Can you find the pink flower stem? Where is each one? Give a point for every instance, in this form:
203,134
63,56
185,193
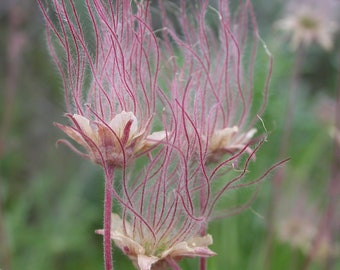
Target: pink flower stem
203,232
203,260
203,263
109,173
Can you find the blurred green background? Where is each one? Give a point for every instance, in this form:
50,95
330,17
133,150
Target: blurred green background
51,200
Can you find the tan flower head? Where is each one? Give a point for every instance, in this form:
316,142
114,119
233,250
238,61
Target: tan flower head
146,256
335,134
228,140
309,22
301,233
298,224
297,231
114,143
108,59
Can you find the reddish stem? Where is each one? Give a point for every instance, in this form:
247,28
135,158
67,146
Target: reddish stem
109,173
203,260
203,263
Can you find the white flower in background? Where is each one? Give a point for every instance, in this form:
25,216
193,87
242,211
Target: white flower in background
298,225
310,21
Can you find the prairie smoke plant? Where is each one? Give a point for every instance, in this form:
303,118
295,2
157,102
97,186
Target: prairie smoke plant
110,74
210,66
167,206
109,65
310,21
161,218
209,125
107,56
210,89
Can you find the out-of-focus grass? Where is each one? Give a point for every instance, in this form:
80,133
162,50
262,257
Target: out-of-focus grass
51,200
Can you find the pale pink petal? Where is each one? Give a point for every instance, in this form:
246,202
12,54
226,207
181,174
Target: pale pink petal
155,137
119,122
195,247
72,133
118,225
226,134
250,134
220,139
85,126
145,262
126,244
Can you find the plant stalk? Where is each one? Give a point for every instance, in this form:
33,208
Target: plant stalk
109,174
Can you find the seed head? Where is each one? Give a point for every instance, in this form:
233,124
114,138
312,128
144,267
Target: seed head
146,256
114,143
107,55
211,78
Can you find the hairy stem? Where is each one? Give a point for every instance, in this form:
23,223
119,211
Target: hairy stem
109,174
203,263
203,260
